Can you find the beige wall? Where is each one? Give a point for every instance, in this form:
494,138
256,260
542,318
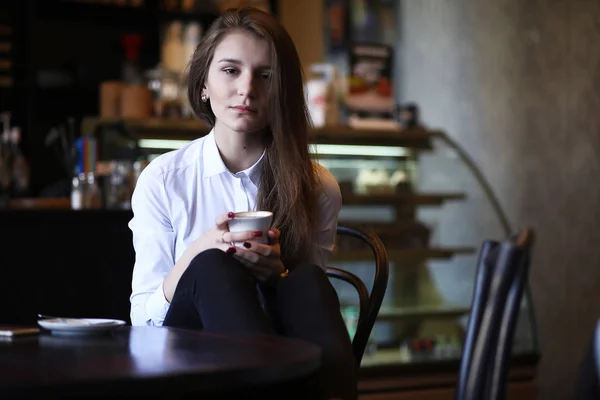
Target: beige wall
517,84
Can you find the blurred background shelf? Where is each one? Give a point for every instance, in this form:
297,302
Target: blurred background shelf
425,199
404,256
165,129
149,128
416,138
148,11
442,311
395,357
440,361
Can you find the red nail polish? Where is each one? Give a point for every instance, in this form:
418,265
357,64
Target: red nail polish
230,250
230,215
257,234
247,245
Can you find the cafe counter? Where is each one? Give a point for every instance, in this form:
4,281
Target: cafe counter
65,262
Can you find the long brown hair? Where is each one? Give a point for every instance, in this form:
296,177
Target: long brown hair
288,180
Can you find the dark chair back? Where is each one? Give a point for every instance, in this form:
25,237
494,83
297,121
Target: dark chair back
502,351
483,278
501,277
587,386
597,352
370,303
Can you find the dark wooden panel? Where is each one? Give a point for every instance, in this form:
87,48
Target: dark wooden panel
64,262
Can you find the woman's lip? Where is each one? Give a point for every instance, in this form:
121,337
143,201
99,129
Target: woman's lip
242,108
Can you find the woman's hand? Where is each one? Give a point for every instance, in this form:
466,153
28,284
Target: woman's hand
263,260
218,237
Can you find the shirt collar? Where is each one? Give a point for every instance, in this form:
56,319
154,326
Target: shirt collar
212,163
255,171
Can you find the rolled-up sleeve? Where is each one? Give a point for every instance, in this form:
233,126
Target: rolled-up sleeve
153,242
330,204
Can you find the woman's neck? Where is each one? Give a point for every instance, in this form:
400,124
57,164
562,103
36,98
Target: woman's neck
239,150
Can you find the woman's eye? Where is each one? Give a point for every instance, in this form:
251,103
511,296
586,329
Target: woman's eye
230,71
266,76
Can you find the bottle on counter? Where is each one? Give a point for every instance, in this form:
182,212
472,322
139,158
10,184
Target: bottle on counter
77,189
172,49
5,177
321,95
131,72
135,96
5,156
92,196
172,65
20,166
192,34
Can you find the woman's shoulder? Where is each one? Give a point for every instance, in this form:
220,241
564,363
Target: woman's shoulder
327,185
170,170
177,159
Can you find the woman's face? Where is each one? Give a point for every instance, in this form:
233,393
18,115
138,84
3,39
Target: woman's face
238,81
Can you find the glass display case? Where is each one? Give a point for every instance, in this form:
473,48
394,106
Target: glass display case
431,207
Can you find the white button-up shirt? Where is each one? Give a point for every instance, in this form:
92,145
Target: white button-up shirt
177,199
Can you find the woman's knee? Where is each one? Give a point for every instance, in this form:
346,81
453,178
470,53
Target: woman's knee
307,273
307,281
209,262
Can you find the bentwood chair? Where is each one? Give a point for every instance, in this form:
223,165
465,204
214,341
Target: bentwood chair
501,277
587,386
370,302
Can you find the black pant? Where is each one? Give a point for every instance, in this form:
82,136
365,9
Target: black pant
217,293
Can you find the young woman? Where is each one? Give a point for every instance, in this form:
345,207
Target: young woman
245,81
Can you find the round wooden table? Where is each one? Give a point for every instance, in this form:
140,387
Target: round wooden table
158,362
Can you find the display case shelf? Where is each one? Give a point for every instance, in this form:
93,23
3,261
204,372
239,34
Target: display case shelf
425,199
404,256
165,129
437,361
444,311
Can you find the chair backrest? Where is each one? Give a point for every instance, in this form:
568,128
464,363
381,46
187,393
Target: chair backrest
483,278
370,302
501,352
597,351
587,384
501,277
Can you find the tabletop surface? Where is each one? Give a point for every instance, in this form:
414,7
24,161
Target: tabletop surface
148,356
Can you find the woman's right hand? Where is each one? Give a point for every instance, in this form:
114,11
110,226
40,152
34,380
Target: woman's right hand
217,237
213,238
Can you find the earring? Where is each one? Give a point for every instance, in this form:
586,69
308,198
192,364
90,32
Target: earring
204,98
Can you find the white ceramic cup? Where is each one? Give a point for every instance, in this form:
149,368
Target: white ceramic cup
252,221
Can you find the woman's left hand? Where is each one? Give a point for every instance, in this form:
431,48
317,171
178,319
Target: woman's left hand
263,260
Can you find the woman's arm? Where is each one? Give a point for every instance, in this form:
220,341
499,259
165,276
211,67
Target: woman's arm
154,245
218,237
155,273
